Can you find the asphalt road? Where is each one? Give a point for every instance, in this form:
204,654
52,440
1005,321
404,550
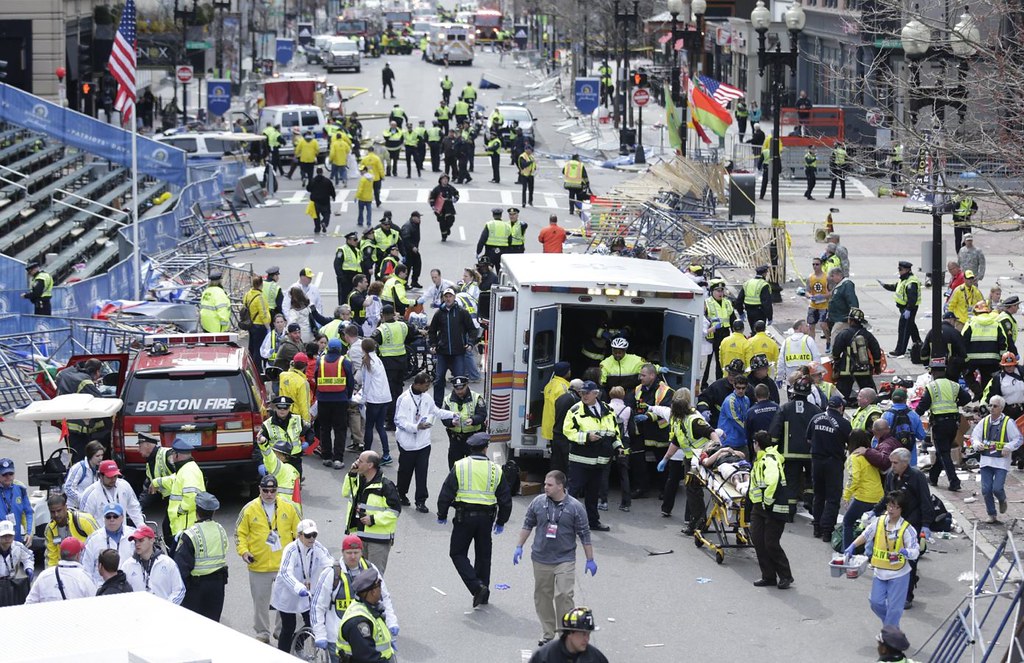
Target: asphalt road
652,609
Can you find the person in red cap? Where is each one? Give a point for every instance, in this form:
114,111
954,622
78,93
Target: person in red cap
111,487
73,583
332,594
149,570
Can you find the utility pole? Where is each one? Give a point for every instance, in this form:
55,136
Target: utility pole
187,17
220,6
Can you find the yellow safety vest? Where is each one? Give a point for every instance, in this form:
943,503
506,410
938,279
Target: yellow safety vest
515,237
290,434
901,291
210,542
985,430
478,479
342,604
798,356
682,434
465,411
357,313
214,310
381,634
752,291
984,343
880,549
943,393
573,173
531,165
840,156
498,233
270,290
273,137
469,93
862,415
161,466
718,312
47,284
349,258
392,336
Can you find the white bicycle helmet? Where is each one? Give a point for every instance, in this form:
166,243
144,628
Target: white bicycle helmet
620,343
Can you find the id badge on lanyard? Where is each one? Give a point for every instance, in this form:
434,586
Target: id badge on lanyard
552,531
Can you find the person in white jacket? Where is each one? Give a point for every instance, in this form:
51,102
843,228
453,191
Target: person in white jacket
355,406
272,341
149,570
433,293
996,437
414,415
797,350
16,559
67,580
302,562
332,595
83,474
376,398
114,534
111,488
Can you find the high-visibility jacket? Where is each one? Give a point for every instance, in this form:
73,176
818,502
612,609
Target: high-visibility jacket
493,146
461,108
1009,324
478,479
384,239
381,635
719,314
628,366
734,346
270,292
831,262
901,291
273,136
161,466
257,306
182,486
394,291
797,352
384,518
290,432
580,423
572,173
527,165
433,135
515,234
392,336
863,417
340,149
655,432
882,547
253,528
810,160
285,473
349,258
498,233
752,291
681,433
214,310
962,301
332,329
210,543
357,313
293,384
330,376
80,525
984,343
47,284
766,476
943,392
468,93
763,344
393,140
839,156
496,117
466,410
411,137
556,387
964,208
447,83
996,436
307,150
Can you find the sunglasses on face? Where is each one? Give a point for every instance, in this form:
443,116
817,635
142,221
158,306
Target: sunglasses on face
268,491
111,516
310,536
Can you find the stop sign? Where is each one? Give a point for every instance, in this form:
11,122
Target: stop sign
641,97
184,73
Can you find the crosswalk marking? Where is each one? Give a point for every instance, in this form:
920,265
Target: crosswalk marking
796,188
506,197
420,196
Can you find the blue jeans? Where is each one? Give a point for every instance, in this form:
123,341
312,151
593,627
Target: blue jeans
887,598
375,419
992,480
469,364
339,174
443,364
853,514
365,206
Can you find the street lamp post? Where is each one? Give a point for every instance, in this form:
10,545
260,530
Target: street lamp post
918,45
220,5
761,18
624,19
692,40
187,17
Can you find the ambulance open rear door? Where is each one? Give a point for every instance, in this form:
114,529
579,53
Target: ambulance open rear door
502,348
542,346
680,347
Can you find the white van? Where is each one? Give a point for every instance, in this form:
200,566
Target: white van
451,43
295,119
342,53
547,306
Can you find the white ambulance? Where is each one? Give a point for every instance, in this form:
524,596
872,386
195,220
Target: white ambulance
450,43
547,308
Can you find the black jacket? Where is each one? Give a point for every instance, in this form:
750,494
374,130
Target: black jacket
451,196
711,399
115,584
773,389
828,434
562,405
952,343
450,487
358,633
789,428
451,330
844,354
387,74
914,484
554,652
387,490
321,189
409,236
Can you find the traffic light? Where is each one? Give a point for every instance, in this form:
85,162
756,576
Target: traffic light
87,89
640,79
3,69
84,62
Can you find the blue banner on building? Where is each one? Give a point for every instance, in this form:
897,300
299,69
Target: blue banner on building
218,96
588,95
285,51
90,135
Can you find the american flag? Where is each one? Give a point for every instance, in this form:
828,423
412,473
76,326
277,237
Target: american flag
723,93
122,64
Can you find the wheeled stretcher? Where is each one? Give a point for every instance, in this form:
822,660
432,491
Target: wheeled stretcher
725,516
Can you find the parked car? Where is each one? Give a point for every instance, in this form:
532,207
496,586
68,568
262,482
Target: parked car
342,53
517,114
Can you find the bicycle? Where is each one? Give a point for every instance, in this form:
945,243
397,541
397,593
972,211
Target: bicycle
304,647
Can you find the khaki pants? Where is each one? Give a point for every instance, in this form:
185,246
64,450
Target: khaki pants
355,424
377,552
260,585
836,328
553,594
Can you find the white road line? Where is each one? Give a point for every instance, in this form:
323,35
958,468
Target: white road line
384,193
868,193
337,230
422,196
506,197
464,196
550,201
462,234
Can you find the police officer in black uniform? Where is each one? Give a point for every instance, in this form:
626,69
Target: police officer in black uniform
42,288
201,556
829,433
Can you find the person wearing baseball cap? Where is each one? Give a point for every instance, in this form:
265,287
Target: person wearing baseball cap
149,570
573,642
17,562
285,425
363,634
74,582
964,298
14,503
181,487
312,292
481,499
201,556
113,534
332,594
594,436
856,355
265,526
111,487
302,562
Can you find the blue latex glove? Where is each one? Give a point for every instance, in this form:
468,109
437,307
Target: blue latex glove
927,532
663,370
850,549
591,567
640,418
442,521
30,573
607,336
262,469
321,644
305,445
421,300
906,315
518,555
903,551
394,631
662,464
303,593
498,529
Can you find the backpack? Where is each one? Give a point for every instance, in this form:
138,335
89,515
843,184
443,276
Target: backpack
902,429
510,473
245,316
942,521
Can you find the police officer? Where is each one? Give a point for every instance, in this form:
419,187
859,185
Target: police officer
347,265
837,170
472,411
769,511
272,293
412,138
434,136
950,345
335,383
273,134
828,433
964,208
756,298
810,170
527,166
607,83
908,299
446,91
181,489
493,149
517,232
494,238
393,141
986,342
475,487
159,464
943,399
867,412
41,290
215,306
720,315
593,433
575,180
896,166
283,425
364,636
201,556
81,379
